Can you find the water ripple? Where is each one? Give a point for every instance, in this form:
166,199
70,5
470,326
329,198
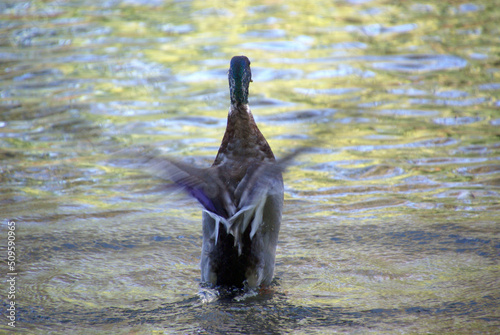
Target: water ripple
371,172
265,33
448,160
420,63
397,198
408,112
479,170
308,115
277,46
332,91
213,74
448,121
378,29
342,70
489,86
417,144
448,102
268,74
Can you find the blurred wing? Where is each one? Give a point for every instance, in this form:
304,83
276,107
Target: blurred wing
202,184
264,178
207,186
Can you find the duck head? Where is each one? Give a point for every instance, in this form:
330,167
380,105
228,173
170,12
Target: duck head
239,77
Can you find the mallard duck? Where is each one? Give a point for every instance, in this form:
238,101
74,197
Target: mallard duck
241,195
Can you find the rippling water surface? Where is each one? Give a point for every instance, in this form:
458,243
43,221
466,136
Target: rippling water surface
391,221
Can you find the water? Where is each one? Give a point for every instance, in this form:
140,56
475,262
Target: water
390,221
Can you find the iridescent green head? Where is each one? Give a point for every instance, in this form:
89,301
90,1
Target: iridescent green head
240,77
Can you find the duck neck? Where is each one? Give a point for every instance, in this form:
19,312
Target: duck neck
242,139
241,130
240,113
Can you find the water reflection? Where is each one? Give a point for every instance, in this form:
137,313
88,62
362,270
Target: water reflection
420,63
391,220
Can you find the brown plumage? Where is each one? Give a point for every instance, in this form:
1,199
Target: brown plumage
242,195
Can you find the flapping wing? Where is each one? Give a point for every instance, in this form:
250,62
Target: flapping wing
262,180
204,185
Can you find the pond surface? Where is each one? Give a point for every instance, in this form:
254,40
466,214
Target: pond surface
391,220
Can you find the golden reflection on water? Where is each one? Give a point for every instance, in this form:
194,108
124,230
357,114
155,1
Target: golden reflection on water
390,220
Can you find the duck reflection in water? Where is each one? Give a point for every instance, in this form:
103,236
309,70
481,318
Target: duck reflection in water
241,195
